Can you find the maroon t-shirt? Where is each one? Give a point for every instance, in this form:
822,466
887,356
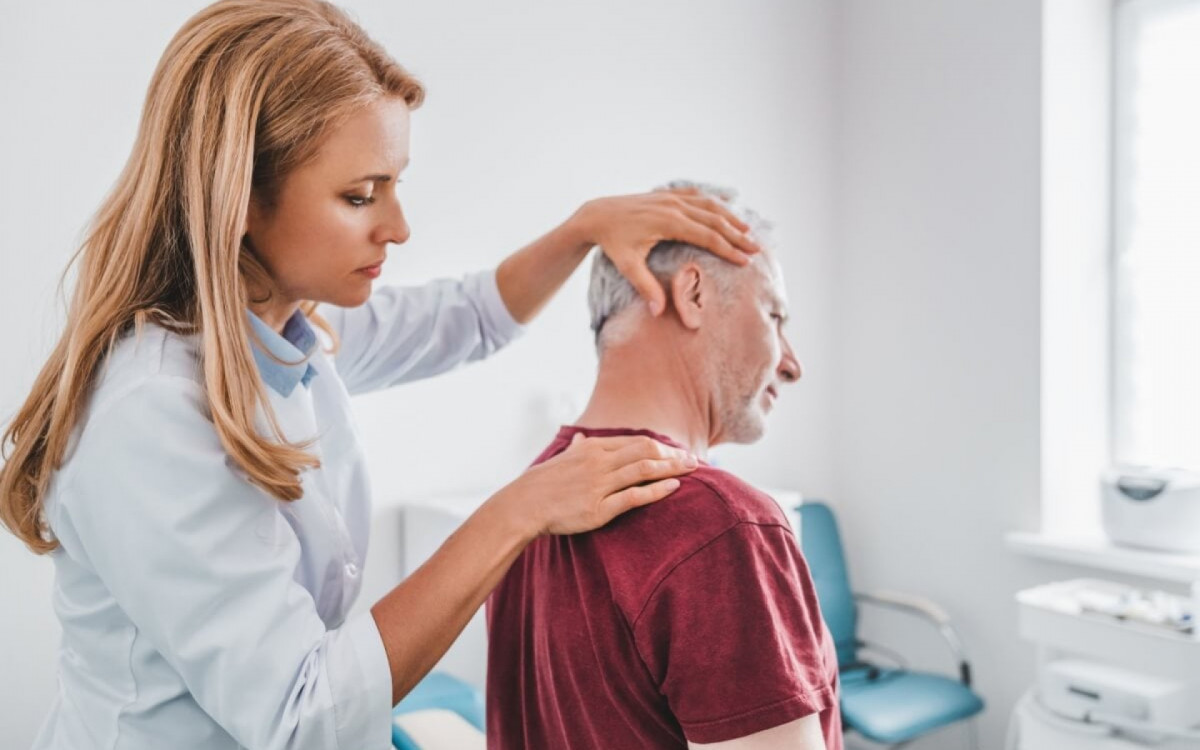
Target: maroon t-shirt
691,619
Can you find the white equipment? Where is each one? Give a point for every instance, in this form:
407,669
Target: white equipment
1089,691
1112,674
1152,508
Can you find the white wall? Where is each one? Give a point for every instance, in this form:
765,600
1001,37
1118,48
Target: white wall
533,108
937,321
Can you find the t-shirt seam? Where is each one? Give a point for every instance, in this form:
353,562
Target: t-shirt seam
693,553
729,505
808,698
681,561
717,491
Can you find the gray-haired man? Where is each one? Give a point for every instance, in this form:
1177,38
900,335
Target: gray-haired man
692,621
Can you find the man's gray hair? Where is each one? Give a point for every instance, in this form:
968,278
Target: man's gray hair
610,293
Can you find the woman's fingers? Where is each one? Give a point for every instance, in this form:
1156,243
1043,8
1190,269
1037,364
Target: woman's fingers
715,206
633,459
651,469
628,227
694,232
647,286
639,448
634,497
716,215
739,254
597,478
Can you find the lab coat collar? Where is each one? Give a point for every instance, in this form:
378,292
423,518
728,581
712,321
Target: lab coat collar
293,347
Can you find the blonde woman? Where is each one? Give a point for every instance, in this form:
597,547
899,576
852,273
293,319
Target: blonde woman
187,455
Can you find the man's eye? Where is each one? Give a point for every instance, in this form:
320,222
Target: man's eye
358,201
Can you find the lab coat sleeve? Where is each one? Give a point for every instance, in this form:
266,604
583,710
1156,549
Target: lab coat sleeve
408,333
202,563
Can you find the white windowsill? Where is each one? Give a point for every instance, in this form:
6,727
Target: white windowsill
1101,554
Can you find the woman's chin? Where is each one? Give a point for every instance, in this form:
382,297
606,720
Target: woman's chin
350,296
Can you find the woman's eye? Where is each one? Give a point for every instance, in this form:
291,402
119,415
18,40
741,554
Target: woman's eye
358,201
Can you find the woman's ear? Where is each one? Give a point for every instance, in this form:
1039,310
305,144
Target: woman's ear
689,296
253,215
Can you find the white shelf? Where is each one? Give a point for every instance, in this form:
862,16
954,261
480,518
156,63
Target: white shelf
1104,555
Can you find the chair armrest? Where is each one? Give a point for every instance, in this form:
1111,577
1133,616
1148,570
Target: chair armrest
906,602
924,608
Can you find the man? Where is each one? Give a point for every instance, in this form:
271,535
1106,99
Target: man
692,622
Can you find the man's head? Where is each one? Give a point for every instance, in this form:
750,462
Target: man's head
725,321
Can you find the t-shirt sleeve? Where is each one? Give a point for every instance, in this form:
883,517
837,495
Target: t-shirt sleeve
733,636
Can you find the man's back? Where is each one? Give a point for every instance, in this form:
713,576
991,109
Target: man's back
692,619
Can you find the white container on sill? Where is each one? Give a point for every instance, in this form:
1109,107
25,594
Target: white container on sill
1152,508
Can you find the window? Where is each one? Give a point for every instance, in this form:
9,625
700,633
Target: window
1156,233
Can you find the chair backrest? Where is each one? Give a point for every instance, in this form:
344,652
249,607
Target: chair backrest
822,547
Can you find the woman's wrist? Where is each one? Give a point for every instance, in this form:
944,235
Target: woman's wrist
511,516
578,231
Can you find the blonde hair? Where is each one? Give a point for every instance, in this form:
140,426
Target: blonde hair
243,95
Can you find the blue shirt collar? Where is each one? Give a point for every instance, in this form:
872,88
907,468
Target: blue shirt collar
294,346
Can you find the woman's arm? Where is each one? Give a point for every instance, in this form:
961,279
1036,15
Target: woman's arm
406,333
626,227
582,488
421,618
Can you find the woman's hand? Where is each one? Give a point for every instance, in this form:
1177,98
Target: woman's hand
593,481
627,227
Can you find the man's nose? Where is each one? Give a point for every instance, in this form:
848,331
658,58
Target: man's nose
790,369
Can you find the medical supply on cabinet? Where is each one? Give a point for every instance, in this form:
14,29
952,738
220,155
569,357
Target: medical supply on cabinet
1145,707
1118,668
1156,608
1156,611
1152,508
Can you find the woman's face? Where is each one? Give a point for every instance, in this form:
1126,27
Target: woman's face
327,234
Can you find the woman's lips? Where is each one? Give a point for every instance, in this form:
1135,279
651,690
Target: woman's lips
371,271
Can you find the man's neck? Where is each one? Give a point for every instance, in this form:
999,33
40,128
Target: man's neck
642,385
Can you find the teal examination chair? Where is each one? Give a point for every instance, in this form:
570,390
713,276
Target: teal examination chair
888,705
438,691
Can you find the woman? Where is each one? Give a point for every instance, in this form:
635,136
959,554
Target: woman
187,455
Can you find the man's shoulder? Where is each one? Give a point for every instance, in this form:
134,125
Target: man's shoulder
709,500
745,502
708,503
643,546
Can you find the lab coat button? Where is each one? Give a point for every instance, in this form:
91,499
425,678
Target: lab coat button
351,569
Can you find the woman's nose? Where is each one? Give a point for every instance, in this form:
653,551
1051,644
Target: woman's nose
394,229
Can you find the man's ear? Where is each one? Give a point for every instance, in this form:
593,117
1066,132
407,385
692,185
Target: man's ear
689,296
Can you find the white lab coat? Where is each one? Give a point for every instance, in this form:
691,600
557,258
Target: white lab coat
198,611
